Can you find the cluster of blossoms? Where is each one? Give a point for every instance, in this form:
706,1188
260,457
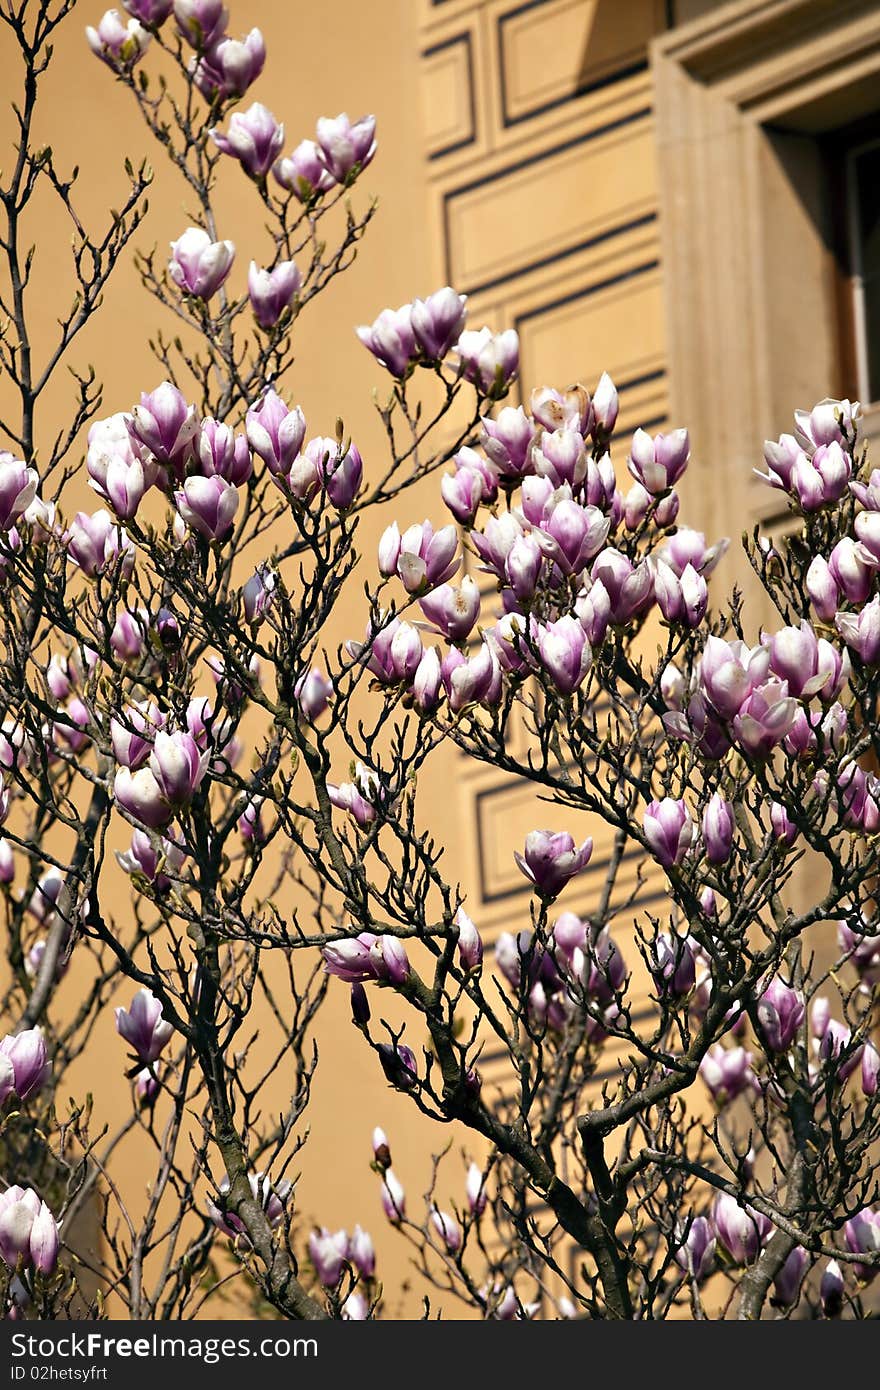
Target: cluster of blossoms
29,1237
223,69
578,967
736,1232
200,465
577,964
332,1252
427,331
565,559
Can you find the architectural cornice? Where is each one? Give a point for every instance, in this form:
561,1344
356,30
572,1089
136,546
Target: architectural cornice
722,46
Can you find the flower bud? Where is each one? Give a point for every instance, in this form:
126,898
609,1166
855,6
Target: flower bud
399,1065
146,1086
447,1229
393,1198
831,1290
696,1254
360,1005
741,1230
470,945
606,405
381,1150
273,291
787,1283
718,829
313,693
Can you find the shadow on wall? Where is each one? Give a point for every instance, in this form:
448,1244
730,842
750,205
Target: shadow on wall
602,21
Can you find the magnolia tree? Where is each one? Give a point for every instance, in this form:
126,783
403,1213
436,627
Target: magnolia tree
166,676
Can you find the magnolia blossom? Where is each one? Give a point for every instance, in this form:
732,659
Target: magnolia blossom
304,173
96,542
208,506
200,22
117,42
862,1236
360,797
391,340
669,830
253,137
313,693
453,611
367,957
780,1012
421,557
272,291
740,1229
727,1072
164,424
271,1196
151,12
328,1252
199,265
393,1197
696,1253
490,360
346,147
228,67
437,321
28,1059
550,858
275,433
658,463
143,1027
